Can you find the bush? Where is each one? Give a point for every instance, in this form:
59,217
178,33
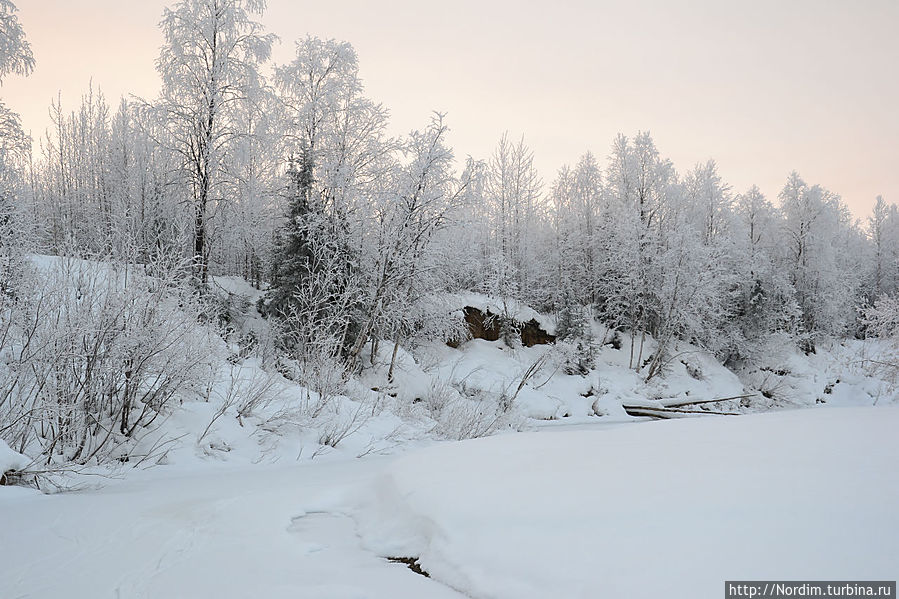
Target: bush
94,357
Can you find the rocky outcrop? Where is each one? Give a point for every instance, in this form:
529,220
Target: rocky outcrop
532,334
488,326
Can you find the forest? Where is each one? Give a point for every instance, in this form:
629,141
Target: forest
119,223
254,343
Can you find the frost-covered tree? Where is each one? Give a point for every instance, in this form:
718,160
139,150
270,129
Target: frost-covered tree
101,185
15,51
75,186
341,166
574,334
883,233
689,287
663,255
822,252
209,66
638,182
152,216
315,282
575,203
573,320
15,149
241,239
98,354
404,272
709,202
465,243
764,299
336,134
512,190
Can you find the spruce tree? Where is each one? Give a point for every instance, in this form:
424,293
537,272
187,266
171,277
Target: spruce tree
573,330
572,322
313,273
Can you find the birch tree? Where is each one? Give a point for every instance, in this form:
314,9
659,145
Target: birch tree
575,203
209,66
710,202
883,235
336,135
404,273
15,50
822,250
512,189
765,304
15,149
638,182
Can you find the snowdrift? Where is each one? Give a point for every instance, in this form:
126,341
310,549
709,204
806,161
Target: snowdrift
657,509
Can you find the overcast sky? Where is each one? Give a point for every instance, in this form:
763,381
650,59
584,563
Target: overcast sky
762,86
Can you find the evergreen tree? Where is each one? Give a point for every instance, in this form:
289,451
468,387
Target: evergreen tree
572,322
314,274
574,333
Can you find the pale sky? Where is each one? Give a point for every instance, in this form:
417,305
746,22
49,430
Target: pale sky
762,86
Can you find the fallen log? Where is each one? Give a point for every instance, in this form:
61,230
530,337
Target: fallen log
661,412
680,404
649,413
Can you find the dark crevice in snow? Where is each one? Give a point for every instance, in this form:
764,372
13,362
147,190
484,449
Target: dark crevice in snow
411,563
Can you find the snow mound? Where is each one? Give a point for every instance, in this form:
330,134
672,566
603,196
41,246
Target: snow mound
657,509
11,460
841,373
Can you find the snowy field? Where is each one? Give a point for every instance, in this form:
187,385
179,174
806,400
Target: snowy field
258,339
669,508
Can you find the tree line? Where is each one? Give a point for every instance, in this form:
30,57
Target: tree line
286,175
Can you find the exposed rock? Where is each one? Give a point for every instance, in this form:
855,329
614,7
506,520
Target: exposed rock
532,334
488,326
482,325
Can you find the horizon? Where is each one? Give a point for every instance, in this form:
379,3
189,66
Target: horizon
822,70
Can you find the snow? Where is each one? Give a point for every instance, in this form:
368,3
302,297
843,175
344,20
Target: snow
194,444
839,373
11,460
258,492
658,509
250,532
455,393
237,286
669,508
285,425
550,395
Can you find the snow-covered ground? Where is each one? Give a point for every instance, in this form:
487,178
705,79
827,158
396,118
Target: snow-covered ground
216,533
668,508
663,509
257,490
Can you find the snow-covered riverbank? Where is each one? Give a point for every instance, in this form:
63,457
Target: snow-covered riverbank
638,510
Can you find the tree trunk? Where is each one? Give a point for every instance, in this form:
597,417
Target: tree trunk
396,347
200,265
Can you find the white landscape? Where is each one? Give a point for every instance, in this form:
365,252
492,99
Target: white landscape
639,510
257,343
